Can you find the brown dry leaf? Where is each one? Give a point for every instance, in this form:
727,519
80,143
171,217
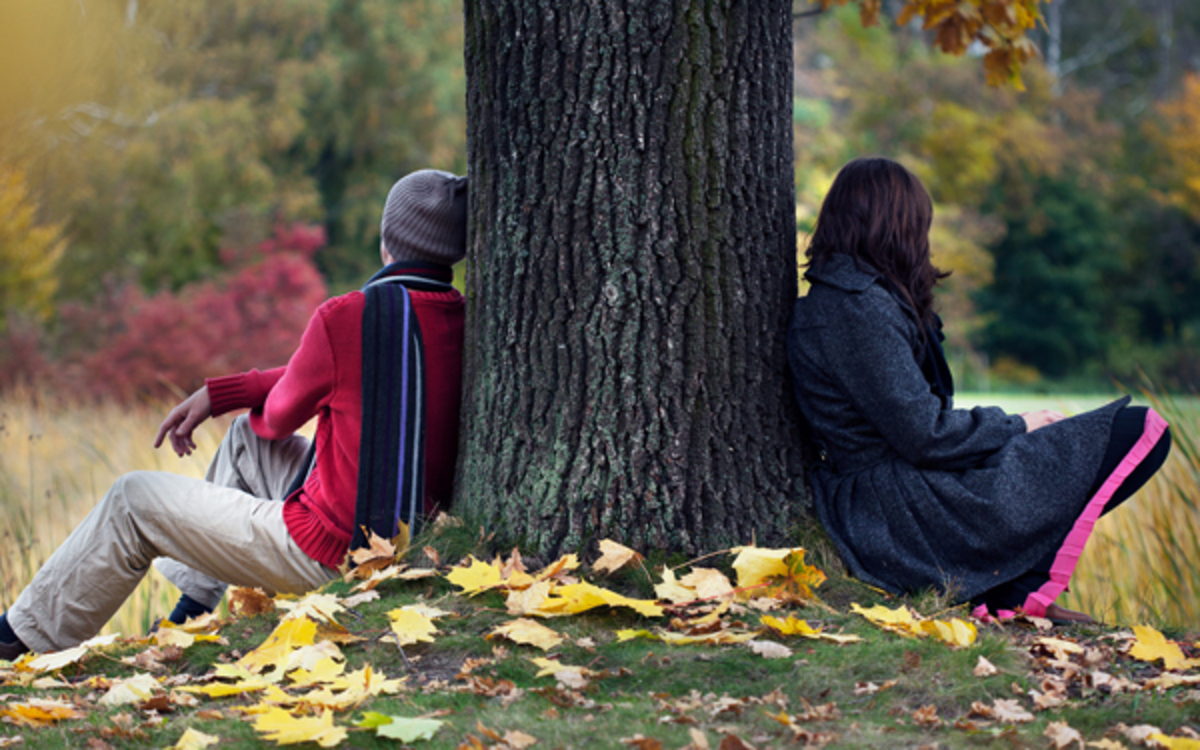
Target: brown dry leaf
1010,712
699,739
770,649
377,555
248,602
362,597
984,668
614,556
733,742
524,630
1062,735
1057,647
153,658
870,688
518,740
708,583
317,607
1138,734
926,716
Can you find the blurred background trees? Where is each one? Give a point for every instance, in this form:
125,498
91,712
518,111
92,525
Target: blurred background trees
155,151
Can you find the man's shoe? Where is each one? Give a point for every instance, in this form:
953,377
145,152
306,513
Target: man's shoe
12,651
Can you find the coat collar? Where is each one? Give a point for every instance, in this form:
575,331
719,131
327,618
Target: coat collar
844,272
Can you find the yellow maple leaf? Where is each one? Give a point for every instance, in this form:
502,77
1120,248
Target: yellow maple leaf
559,568
378,554
169,635
1152,645
324,671
476,576
614,556
681,639
672,590
580,597
1175,743
530,632
554,666
288,636
899,620
308,657
195,740
58,659
956,632
777,573
251,684
280,726
411,626
795,626
247,602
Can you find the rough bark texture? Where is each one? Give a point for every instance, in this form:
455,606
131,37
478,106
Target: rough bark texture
631,270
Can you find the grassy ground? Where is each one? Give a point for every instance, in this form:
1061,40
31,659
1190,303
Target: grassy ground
885,691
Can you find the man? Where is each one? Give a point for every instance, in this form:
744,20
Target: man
379,368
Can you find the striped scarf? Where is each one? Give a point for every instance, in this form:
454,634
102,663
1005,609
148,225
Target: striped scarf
391,457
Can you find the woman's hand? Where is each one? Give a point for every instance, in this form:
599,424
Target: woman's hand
1040,418
183,420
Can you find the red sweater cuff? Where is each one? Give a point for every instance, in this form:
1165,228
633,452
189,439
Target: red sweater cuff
246,390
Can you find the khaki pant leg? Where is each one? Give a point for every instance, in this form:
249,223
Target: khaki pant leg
219,531
244,461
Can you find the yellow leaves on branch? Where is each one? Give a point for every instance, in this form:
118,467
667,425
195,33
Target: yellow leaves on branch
1000,26
902,620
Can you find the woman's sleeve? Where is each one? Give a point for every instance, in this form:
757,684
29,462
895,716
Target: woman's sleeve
306,385
869,350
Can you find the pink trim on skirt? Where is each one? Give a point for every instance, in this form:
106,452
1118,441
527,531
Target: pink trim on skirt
1068,554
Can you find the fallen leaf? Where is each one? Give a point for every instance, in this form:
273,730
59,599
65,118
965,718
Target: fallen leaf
769,649
409,729
984,668
279,725
195,740
248,602
475,577
926,716
1106,744
580,597
1010,712
59,659
39,712
708,583
529,600
130,690
317,607
614,556
378,554
672,590
642,743
680,639
411,626
1062,735
360,598
288,636
1151,645
776,573
1058,648
519,740
699,739
524,630
1174,743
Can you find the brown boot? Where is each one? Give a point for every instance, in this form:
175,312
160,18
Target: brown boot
1063,616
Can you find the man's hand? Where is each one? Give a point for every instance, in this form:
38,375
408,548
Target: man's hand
1041,418
183,420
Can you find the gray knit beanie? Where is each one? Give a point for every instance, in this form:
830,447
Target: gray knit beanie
425,218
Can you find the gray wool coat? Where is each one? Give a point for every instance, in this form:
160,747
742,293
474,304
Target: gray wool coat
917,494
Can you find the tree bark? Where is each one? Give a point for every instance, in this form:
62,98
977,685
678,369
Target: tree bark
631,269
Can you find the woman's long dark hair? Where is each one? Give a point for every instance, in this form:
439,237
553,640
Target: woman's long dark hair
879,213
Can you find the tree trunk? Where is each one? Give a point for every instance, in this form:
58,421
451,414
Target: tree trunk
630,273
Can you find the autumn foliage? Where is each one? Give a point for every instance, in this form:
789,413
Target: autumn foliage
128,345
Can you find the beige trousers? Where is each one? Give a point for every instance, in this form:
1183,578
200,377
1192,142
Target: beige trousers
223,529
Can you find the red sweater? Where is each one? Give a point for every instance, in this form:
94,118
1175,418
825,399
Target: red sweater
324,379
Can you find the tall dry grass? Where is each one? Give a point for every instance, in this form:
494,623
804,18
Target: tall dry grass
56,463
1142,562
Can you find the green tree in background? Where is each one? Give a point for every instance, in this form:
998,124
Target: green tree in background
1046,304
28,253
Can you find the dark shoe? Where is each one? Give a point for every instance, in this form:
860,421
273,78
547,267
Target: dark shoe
12,651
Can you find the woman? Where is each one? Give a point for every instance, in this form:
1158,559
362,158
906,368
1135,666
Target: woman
992,507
